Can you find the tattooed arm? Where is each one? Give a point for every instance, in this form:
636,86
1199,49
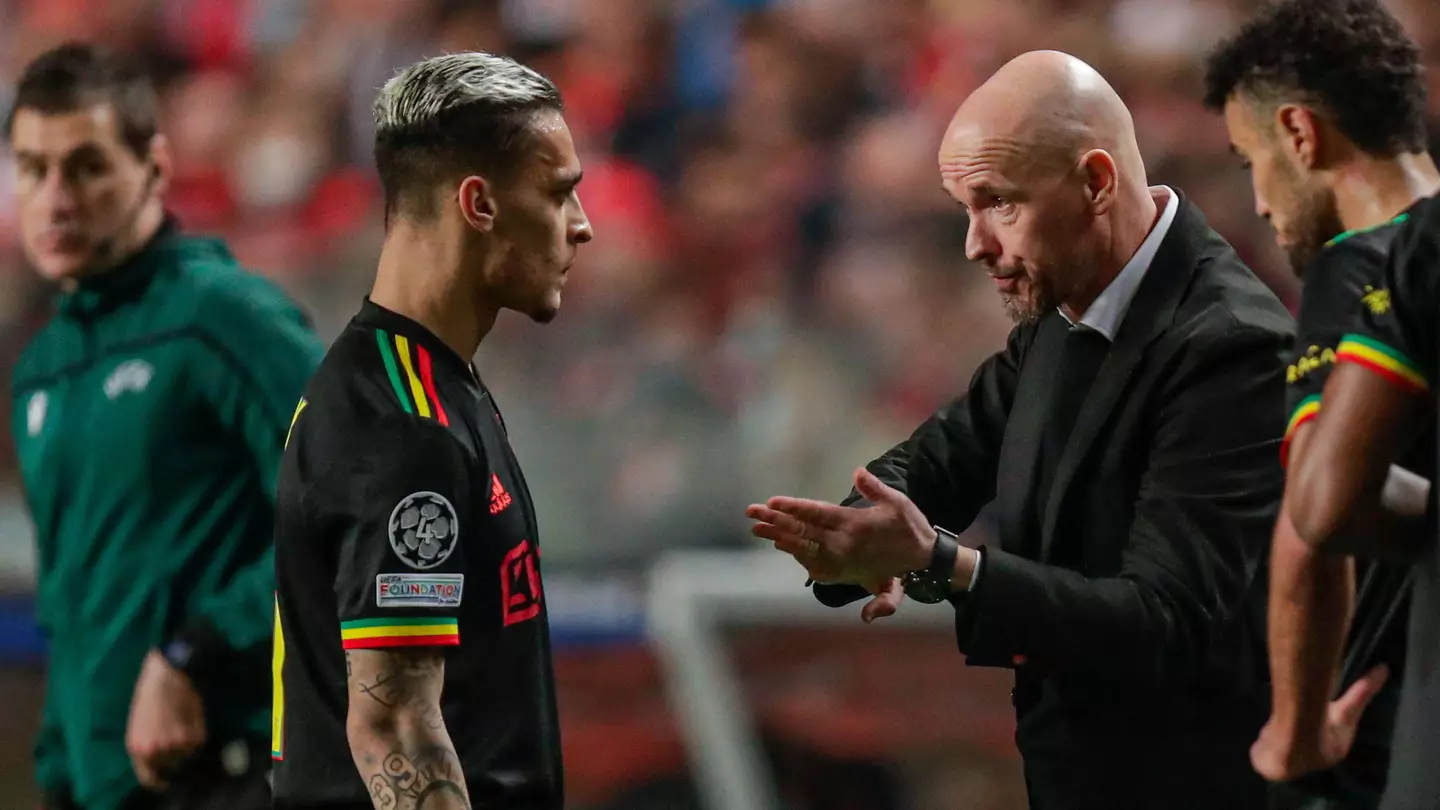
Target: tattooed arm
397,734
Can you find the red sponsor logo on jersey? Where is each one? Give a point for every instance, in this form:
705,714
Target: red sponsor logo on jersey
520,584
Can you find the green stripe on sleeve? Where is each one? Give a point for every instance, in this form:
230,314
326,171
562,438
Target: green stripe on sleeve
389,357
398,621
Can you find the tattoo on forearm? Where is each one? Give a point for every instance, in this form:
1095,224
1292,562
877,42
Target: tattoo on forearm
414,769
429,780
400,684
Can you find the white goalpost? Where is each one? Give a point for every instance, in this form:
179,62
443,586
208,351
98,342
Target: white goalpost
691,595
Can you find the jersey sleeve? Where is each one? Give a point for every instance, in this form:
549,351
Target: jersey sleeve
1335,285
400,575
1396,334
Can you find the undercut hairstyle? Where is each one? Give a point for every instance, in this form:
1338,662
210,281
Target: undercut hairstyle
74,76
450,116
1348,60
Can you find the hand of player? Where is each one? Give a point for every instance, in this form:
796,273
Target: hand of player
1282,754
845,544
167,721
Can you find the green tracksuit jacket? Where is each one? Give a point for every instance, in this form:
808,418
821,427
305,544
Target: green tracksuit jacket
149,416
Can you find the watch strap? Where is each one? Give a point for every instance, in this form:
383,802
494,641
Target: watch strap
942,558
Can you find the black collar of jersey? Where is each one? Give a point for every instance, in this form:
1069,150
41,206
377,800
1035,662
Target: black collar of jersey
102,291
374,316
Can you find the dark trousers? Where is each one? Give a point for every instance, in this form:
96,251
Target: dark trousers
1303,796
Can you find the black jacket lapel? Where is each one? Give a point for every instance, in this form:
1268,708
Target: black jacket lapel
1150,312
1017,475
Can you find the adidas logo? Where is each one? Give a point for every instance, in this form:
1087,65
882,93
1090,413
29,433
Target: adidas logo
499,498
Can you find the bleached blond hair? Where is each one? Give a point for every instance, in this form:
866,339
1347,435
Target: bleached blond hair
457,113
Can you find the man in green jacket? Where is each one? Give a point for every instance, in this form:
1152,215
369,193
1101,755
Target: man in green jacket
149,416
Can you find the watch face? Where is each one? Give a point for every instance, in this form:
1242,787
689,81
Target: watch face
924,589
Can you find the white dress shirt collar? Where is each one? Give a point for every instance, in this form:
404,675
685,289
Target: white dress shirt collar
1105,314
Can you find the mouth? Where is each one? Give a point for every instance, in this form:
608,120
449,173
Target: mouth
61,242
1007,284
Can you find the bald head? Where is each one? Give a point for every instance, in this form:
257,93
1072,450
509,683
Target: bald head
1055,107
1043,157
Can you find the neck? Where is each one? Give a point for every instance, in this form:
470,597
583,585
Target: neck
422,277
1372,191
1128,231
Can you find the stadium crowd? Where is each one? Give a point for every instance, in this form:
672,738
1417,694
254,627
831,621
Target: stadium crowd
777,285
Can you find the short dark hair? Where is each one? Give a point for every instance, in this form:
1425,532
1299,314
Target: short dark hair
77,75
452,115
1349,59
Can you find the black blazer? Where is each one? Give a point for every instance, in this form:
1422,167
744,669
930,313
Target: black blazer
1137,638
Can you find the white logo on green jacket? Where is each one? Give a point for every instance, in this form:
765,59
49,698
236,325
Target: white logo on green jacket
35,412
131,375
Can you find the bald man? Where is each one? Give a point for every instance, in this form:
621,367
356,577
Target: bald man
1126,440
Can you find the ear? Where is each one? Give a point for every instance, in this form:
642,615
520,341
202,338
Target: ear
477,203
1102,180
1298,131
162,162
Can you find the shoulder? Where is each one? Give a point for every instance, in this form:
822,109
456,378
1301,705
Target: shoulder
1339,279
355,448
1228,324
1416,250
359,401
1228,304
222,293
36,358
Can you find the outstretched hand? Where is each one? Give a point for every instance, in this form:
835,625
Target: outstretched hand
869,546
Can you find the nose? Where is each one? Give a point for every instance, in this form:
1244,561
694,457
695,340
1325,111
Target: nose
1262,206
980,242
56,196
580,230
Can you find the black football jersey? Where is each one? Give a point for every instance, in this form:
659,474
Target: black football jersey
403,520
1347,275
1396,339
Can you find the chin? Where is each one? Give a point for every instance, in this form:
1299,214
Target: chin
57,269
546,311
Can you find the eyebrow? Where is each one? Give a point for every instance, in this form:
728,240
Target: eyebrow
87,149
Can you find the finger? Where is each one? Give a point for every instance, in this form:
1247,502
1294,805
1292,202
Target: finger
775,534
818,567
817,513
874,490
756,511
788,523
806,551
1348,707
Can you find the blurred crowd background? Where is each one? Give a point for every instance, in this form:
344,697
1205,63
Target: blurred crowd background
777,290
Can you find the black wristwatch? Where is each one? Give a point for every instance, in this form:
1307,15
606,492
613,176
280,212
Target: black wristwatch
931,585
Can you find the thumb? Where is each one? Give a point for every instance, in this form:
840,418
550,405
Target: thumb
1349,706
885,603
874,490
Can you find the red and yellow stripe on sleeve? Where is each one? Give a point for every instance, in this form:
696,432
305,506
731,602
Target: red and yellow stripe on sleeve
369,634
1383,360
1308,408
413,380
